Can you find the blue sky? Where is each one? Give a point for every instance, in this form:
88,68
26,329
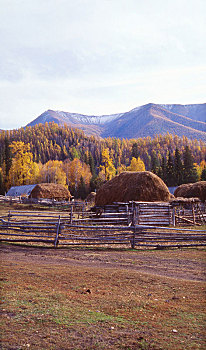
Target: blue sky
99,56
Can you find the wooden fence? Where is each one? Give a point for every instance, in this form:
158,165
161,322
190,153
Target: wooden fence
179,213
76,204
86,228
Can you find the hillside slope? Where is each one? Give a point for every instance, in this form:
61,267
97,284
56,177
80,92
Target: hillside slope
148,120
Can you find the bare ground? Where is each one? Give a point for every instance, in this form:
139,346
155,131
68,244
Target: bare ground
102,298
187,264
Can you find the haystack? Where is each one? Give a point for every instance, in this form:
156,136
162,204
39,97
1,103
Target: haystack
197,189
137,186
91,197
50,191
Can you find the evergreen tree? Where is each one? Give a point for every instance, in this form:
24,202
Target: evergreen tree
189,171
93,172
170,177
135,152
92,165
2,187
74,153
162,173
154,163
82,190
178,168
203,175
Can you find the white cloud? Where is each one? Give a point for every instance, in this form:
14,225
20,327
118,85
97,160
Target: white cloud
98,57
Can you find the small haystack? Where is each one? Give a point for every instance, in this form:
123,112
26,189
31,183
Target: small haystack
50,191
133,186
197,189
91,197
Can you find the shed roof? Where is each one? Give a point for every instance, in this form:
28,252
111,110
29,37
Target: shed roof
172,189
16,191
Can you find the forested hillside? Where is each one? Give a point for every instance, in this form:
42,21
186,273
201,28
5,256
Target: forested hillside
53,149
147,120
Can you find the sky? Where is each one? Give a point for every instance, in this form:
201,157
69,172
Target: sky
99,56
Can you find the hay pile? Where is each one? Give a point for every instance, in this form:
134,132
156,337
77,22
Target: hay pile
91,197
137,186
186,203
197,189
50,191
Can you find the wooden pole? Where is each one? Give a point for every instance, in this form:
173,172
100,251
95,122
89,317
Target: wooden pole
83,210
71,214
173,216
199,211
56,241
193,213
133,238
137,213
9,217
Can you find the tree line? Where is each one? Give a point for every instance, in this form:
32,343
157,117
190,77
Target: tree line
52,153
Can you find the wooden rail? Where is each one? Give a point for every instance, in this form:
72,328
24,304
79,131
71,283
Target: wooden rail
60,229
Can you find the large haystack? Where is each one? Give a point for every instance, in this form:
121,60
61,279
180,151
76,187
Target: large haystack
50,191
196,190
138,186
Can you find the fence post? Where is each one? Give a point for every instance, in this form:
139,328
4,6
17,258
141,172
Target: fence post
137,213
199,211
8,222
9,217
83,210
193,214
173,215
71,214
133,237
56,241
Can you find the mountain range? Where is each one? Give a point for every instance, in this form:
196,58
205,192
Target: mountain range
147,120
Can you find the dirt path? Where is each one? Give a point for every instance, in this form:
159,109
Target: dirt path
185,264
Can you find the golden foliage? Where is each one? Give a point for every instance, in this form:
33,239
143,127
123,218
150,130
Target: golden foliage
23,168
136,165
107,166
76,169
52,172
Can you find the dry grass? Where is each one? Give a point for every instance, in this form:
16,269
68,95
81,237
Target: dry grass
100,299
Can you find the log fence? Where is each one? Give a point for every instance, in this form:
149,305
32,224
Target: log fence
122,228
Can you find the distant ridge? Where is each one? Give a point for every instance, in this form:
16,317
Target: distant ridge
147,120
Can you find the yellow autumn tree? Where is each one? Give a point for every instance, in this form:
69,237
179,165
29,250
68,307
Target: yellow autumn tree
78,170
136,164
23,168
200,168
35,171
66,167
107,167
52,172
